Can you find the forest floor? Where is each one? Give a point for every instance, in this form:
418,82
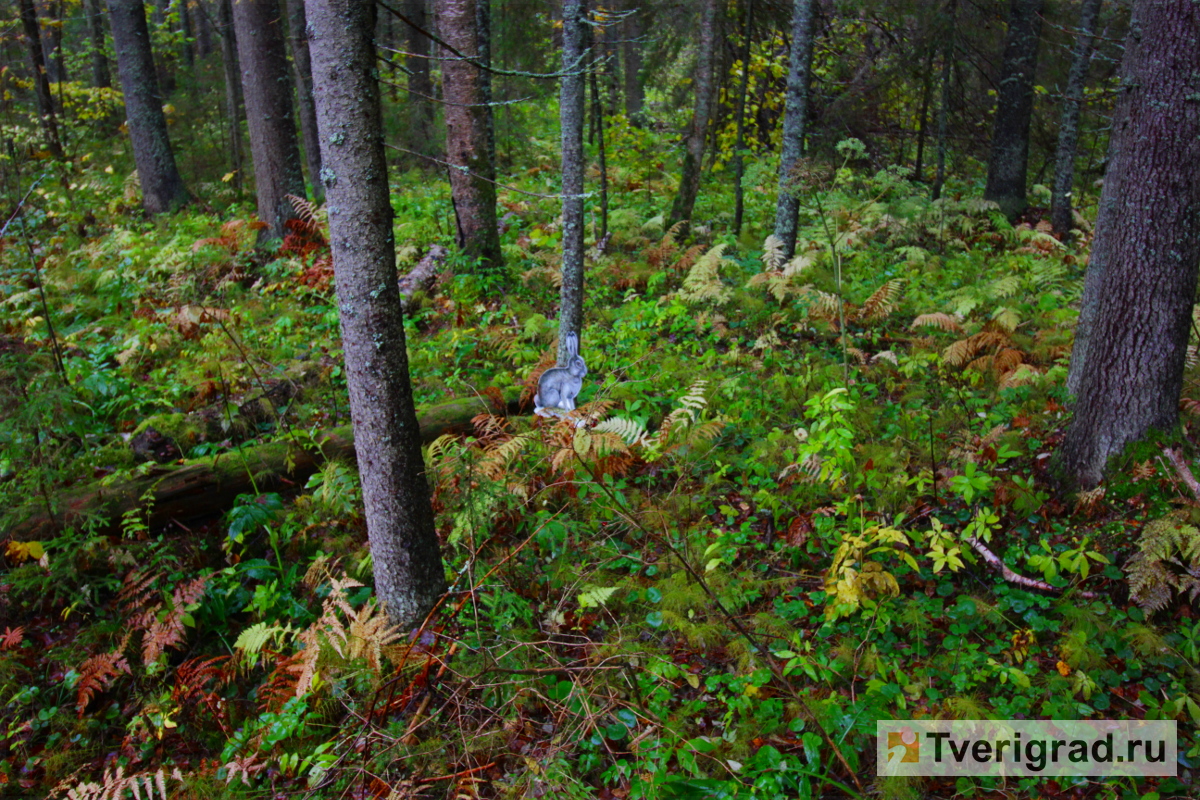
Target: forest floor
780,522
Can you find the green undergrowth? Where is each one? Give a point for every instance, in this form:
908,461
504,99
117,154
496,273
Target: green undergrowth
751,542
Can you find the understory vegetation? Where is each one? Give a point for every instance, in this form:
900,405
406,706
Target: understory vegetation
776,518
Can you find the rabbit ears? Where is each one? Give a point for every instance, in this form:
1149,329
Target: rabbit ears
572,341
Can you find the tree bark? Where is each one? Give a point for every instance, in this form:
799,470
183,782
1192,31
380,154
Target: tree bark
207,486
302,63
570,311
52,12
943,134
234,110
693,158
598,122
162,186
267,92
483,35
399,513
635,92
101,74
41,84
1068,127
795,121
739,161
1128,361
467,147
1009,160
420,137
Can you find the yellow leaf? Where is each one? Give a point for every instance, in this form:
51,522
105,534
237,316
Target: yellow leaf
751,690
1063,668
24,551
109,169
693,680
226,178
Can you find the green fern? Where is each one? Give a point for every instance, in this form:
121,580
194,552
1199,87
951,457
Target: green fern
1167,563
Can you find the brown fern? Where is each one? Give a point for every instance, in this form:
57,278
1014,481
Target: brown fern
12,637
96,674
882,302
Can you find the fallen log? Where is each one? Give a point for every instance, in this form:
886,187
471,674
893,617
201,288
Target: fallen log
208,486
423,275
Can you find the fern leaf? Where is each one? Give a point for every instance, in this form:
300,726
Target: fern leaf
96,674
882,302
772,257
631,431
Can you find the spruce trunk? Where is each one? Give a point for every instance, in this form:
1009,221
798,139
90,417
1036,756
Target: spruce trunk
400,523
1128,361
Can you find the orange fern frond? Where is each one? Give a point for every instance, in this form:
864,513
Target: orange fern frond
12,637
939,320
96,674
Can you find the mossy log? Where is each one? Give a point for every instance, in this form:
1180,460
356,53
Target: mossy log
206,486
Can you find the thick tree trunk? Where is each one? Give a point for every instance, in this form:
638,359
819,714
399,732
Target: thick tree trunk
162,186
570,311
1009,160
41,85
399,514
234,110
302,63
693,157
635,93
207,486
101,74
204,30
467,136
419,103
795,120
1068,128
739,161
1127,365
267,92
943,134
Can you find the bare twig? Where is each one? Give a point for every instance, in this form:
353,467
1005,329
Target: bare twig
1009,575
1182,470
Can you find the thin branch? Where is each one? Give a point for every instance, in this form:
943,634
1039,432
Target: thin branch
1020,580
1181,469
576,69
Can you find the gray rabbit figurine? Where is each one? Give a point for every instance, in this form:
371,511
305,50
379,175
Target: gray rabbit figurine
559,386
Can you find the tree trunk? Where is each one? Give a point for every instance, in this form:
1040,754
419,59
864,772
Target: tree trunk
943,135
207,486
635,93
601,156
297,32
473,192
420,137
795,120
570,311
52,49
739,161
204,45
400,524
1068,128
166,75
41,85
101,74
1009,159
185,30
1128,361
923,116
233,91
483,35
267,92
693,158
162,186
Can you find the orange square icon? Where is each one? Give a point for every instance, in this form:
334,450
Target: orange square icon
903,747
